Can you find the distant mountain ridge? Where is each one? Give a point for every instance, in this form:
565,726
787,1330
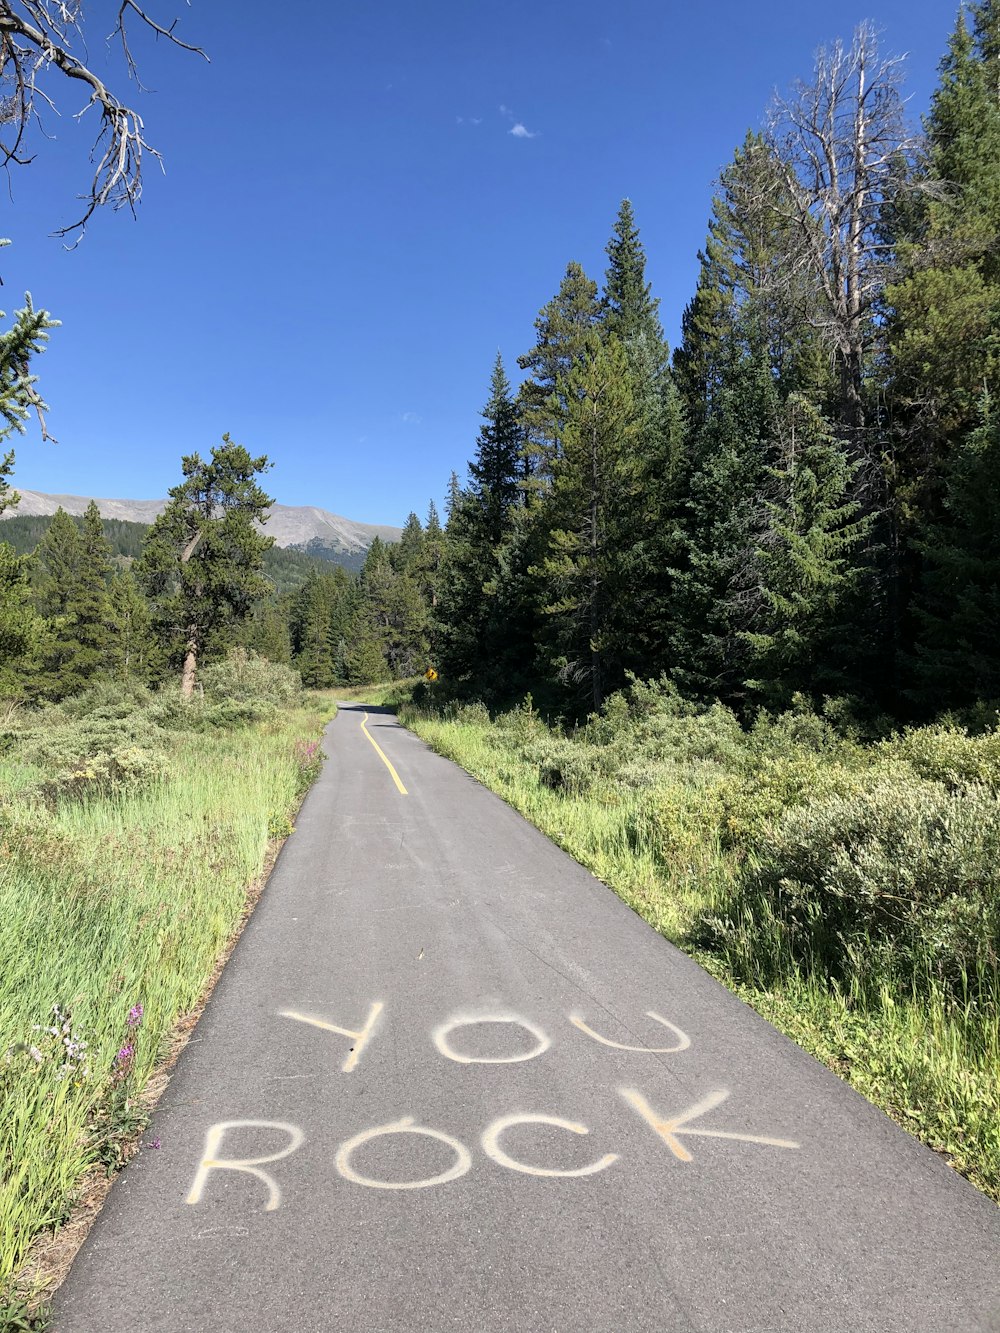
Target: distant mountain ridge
297,526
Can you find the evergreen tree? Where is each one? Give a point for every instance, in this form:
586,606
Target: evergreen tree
630,314
944,312
957,659
268,633
806,568
753,299
495,472
595,483
474,637
72,595
721,519
314,648
391,615
562,328
431,558
406,554
320,616
202,560
629,310
92,610
20,626
19,345
131,653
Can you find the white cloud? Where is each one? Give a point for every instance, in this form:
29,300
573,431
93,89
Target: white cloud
411,418
520,131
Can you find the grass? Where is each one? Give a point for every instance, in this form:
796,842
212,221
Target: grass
115,908
680,815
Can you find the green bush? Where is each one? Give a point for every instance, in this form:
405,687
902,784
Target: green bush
756,798
900,881
562,764
248,679
105,774
950,755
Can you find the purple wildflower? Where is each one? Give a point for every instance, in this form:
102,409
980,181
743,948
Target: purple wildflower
135,1016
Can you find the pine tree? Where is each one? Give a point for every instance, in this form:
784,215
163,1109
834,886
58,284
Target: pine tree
391,615
753,299
20,626
315,650
19,345
91,609
74,566
628,308
595,484
431,558
720,522
957,658
202,560
630,314
806,568
268,634
131,653
495,472
407,552
944,320
321,613
473,632
562,327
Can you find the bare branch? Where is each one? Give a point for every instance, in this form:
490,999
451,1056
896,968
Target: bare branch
37,36
842,139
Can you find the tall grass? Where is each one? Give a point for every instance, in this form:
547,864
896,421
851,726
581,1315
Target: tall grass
846,891
114,908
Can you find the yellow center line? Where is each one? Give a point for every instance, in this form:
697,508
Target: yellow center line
381,755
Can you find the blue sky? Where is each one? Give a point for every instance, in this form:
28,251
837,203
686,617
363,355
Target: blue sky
352,222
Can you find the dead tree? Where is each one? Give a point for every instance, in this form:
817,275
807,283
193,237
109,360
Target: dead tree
841,140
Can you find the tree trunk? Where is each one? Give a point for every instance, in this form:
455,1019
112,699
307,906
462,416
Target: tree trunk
189,669
596,681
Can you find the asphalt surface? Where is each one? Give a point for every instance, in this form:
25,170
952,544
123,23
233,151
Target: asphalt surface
477,1148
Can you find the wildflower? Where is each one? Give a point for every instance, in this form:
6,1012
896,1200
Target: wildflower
135,1016
124,1054
35,1054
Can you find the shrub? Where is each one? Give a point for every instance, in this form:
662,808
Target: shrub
950,755
246,678
900,880
562,764
105,774
755,799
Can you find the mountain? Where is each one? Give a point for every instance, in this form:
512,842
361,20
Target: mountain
302,527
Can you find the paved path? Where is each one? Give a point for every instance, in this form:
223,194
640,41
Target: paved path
449,1082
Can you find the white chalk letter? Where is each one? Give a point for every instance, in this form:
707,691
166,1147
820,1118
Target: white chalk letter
251,1165
491,1146
683,1040
441,1040
360,1038
671,1129
463,1159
